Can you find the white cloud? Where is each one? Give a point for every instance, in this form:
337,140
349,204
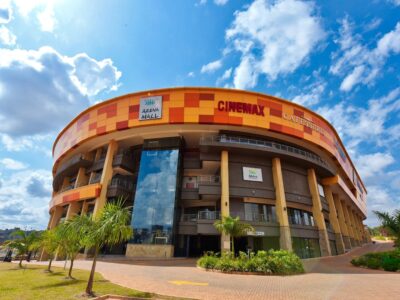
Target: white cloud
12,164
46,18
191,74
24,199
313,93
7,37
5,11
221,2
357,124
211,67
369,165
283,32
356,62
381,199
227,75
373,24
245,74
58,86
28,143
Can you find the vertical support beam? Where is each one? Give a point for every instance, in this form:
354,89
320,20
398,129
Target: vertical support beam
317,214
56,216
81,179
342,222
225,239
349,224
105,177
333,219
362,230
280,206
356,227
73,209
85,206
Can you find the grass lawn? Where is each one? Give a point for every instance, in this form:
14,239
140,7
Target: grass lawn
32,282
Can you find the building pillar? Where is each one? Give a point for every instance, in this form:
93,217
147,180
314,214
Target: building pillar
359,227
105,177
355,227
73,209
81,179
333,219
56,216
317,214
280,206
349,224
225,239
342,222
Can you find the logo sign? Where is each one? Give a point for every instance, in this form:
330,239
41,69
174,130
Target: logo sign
150,108
241,107
256,233
252,174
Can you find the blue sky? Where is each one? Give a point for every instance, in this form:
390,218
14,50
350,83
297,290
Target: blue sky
339,58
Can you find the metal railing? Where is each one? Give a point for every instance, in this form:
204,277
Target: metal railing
95,178
201,215
255,217
208,179
262,144
124,183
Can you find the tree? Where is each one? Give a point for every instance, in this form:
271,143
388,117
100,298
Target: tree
49,241
23,243
233,227
391,223
111,227
72,238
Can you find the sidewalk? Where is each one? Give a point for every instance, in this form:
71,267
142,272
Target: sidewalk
326,278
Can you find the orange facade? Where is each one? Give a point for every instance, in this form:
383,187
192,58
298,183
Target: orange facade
210,106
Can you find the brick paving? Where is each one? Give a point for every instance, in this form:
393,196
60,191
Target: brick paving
326,278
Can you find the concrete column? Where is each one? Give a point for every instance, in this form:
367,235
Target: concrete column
355,227
280,206
342,222
73,209
333,219
317,214
81,179
84,207
359,225
225,239
105,177
56,216
349,225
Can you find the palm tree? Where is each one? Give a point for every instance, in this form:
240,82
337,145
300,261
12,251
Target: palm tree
72,235
49,241
233,227
23,242
111,227
391,223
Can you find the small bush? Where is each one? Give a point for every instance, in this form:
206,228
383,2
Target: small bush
389,261
390,264
272,262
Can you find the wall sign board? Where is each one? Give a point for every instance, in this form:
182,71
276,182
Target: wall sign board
252,174
150,108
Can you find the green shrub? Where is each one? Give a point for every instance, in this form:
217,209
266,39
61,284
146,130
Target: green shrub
390,263
272,262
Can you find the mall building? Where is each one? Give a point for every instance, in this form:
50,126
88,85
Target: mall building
184,157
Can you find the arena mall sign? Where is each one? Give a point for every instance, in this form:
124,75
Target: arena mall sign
241,107
150,108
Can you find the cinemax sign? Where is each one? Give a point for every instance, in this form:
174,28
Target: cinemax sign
150,108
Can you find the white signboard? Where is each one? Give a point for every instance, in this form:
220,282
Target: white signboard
256,233
150,108
252,174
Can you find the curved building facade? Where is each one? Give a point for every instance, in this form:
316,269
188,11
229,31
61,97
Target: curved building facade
184,157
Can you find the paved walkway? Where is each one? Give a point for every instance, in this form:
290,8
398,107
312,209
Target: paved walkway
326,278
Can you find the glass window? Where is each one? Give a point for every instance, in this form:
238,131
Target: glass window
300,217
306,248
321,190
154,205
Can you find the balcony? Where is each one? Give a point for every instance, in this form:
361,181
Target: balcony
201,222
96,177
68,168
121,186
200,185
82,193
278,149
97,165
255,217
124,161
201,215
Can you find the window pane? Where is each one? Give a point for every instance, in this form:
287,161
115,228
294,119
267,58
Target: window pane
154,205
